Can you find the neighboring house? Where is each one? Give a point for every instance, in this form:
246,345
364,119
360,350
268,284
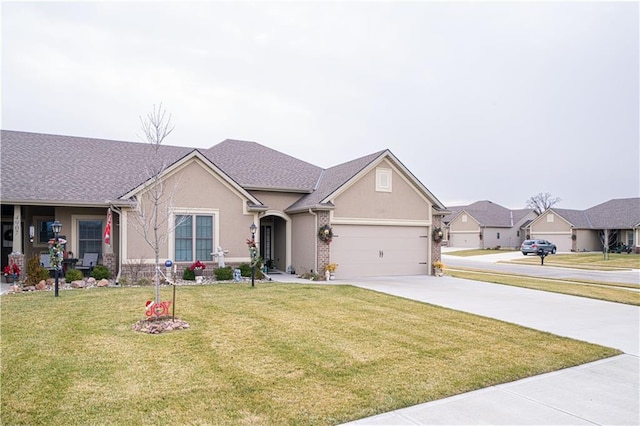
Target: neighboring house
485,224
382,217
617,221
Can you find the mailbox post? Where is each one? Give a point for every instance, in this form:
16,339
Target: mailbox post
542,253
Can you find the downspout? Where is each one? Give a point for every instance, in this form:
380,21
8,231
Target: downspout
315,243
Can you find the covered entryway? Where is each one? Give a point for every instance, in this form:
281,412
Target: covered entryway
365,250
273,242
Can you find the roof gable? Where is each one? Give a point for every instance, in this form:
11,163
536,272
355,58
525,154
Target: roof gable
336,179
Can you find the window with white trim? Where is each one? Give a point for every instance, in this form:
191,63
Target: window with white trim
89,237
193,237
464,218
550,217
383,180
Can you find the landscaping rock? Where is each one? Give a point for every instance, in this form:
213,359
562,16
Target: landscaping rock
159,325
42,285
103,283
91,282
78,284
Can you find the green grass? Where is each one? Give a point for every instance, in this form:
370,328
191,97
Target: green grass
612,292
595,261
274,354
475,252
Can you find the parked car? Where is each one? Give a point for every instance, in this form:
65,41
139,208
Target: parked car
532,246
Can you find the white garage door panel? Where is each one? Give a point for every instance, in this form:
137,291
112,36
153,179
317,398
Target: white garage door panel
469,240
379,250
562,241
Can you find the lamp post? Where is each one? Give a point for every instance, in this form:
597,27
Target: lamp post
253,250
56,227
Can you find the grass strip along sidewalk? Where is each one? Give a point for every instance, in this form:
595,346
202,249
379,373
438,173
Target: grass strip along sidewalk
273,354
612,292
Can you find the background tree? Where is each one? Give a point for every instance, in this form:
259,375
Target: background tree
153,207
541,202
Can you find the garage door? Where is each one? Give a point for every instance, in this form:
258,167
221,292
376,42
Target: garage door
364,251
464,239
562,241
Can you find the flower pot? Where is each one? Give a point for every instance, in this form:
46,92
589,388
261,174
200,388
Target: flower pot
8,279
332,276
438,272
198,272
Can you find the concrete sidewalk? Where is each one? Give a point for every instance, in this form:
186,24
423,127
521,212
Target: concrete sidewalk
603,392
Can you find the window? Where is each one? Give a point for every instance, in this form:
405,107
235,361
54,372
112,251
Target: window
630,238
89,237
44,231
383,180
464,218
550,217
193,238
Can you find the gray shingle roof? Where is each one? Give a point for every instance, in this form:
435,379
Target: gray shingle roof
40,167
75,170
489,214
256,166
621,213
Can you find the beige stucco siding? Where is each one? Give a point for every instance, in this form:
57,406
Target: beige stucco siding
361,200
464,231
303,242
276,201
549,222
587,240
195,189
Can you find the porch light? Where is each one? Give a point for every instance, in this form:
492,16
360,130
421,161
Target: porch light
56,227
253,228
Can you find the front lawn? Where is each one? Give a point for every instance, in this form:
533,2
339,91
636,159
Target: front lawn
274,354
595,261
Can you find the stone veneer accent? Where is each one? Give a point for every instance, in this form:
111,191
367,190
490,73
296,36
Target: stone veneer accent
109,260
436,248
324,249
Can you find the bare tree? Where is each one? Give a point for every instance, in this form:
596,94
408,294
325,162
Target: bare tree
153,206
541,202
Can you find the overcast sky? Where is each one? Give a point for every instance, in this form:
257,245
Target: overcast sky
481,101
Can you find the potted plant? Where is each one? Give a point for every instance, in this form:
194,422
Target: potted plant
197,268
329,271
438,268
11,272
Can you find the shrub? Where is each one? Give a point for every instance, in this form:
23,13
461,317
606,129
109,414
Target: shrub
143,282
35,271
245,269
123,281
188,274
100,272
73,275
224,274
